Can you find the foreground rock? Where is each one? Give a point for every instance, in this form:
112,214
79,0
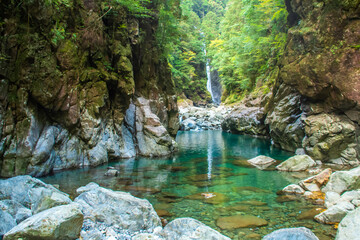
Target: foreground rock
104,206
15,209
297,163
188,228
32,193
300,233
349,226
335,213
7,222
62,222
262,162
341,181
240,221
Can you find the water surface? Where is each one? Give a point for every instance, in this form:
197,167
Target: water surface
205,180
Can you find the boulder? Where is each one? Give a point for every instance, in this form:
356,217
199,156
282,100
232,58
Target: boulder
188,228
315,182
187,125
261,162
335,213
296,163
7,222
15,209
349,226
30,192
342,181
61,222
117,208
293,189
331,198
112,173
300,233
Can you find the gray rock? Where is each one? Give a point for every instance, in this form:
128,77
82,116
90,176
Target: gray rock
19,189
245,120
331,137
187,125
293,189
189,228
349,226
261,162
300,233
112,172
43,198
331,198
16,210
117,208
7,222
297,163
342,181
335,213
62,222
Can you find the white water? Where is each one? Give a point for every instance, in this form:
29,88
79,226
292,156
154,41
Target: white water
208,74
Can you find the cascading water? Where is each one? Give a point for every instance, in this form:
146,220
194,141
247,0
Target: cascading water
213,85
208,74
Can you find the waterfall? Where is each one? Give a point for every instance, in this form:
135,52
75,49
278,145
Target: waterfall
208,74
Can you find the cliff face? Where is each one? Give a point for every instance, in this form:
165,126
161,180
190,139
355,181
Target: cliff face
314,107
80,83
320,76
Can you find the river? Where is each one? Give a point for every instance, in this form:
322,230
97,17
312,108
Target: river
207,180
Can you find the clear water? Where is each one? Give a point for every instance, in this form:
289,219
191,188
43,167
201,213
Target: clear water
205,166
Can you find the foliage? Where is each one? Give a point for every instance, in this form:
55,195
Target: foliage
136,8
253,36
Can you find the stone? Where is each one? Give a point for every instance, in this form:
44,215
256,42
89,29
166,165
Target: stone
309,214
209,197
188,228
331,198
253,203
293,189
341,181
7,222
300,233
44,198
61,222
27,191
163,213
320,179
335,213
240,221
112,173
15,209
187,125
117,208
296,163
349,226
262,162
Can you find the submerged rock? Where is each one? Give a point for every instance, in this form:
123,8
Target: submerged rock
297,163
62,222
240,221
300,233
293,189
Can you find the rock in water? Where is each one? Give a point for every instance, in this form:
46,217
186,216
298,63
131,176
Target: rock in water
300,233
240,221
188,228
349,226
62,222
117,208
297,163
261,162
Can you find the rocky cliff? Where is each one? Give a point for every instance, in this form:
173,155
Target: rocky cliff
314,107
81,82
